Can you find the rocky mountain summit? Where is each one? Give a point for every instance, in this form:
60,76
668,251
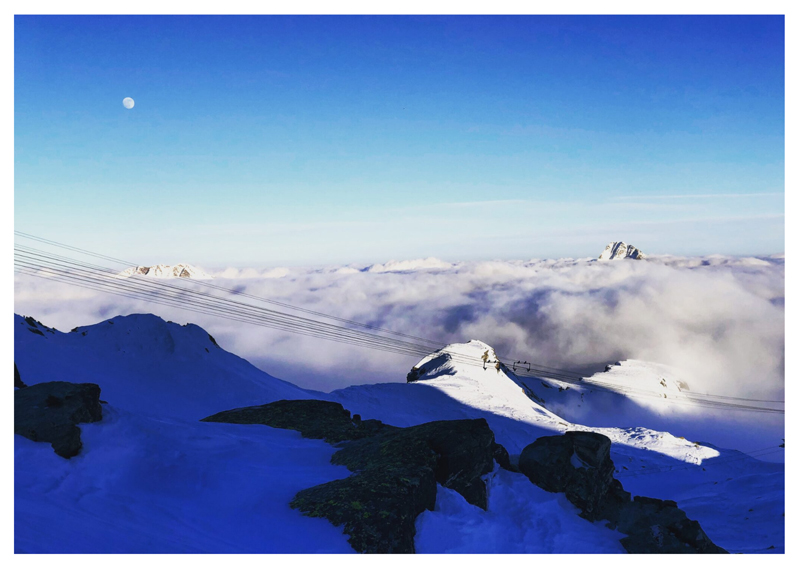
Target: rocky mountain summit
617,249
181,270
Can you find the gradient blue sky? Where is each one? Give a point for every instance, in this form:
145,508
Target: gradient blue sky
317,140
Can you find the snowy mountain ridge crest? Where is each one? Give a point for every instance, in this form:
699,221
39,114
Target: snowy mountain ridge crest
472,374
181,270
618,249
160,377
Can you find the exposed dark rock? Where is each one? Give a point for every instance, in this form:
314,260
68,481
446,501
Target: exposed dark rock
615,501
49,412
36,326
17,379
413,375
431,369
317,419
378,510
579,465
396,472
503,459
656,526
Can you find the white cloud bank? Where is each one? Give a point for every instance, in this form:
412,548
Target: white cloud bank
719,319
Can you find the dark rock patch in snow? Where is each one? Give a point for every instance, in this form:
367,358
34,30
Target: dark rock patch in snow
50,412
318,419
503,459
395,479
395,470
432,369
658,526
462,451
17,379
579,465
35,326
377,508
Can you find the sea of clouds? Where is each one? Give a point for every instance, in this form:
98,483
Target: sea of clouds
719,319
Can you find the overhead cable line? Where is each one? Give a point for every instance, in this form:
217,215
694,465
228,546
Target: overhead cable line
67,270
33,259
234,291
151,291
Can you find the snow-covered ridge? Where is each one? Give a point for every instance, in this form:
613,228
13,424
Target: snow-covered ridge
145,364
617,249
472,374
151,456
181,270
410,265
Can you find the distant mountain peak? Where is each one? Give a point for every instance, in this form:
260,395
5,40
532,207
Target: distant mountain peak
617,249
181,270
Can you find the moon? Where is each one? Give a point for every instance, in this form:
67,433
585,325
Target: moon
127,102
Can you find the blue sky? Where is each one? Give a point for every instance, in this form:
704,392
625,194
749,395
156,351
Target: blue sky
316,140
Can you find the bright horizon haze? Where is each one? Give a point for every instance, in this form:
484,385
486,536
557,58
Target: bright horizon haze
276,140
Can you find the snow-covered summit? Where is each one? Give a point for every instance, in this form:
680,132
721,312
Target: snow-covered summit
181,270
617,249
472,374
410,265
145,364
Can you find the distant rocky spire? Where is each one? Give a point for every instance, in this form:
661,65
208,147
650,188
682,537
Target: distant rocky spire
618,249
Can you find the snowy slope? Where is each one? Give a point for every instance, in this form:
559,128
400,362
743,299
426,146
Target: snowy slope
151,478
521,518
181,270
649,462
457,371
156,485
644,394
144,364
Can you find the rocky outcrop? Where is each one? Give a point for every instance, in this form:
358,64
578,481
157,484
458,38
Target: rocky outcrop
656,526
377,508
395,479
395,470
461,452
50,412
503,459
431,369
618,250
35,326
318,419
579,465
17,379
166,271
